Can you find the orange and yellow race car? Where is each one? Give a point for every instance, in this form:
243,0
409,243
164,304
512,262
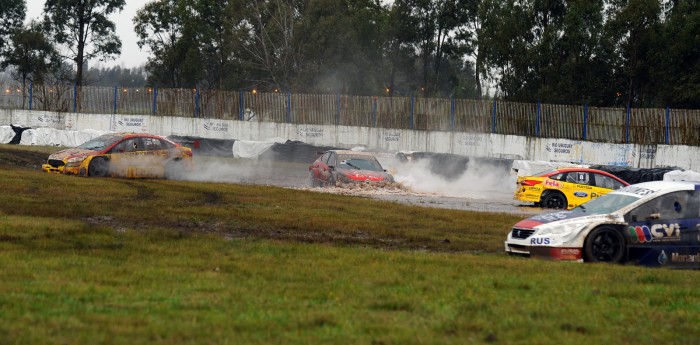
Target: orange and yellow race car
131,155
566,187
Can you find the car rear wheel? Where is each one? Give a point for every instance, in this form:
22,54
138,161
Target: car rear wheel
604,244
98,167
554,200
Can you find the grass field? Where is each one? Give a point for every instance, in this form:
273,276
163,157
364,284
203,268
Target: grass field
88,261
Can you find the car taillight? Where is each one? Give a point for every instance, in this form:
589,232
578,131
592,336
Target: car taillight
529,182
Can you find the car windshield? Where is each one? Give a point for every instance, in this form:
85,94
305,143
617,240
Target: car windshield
607,203
100,143
359,164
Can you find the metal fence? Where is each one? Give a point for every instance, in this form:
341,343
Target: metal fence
615,125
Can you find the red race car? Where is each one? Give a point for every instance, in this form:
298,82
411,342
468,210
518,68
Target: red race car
338,167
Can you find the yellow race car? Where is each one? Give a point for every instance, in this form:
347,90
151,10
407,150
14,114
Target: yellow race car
131,155
566,188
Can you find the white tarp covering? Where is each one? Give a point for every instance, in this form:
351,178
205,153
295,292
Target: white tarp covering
55,137
528,168
6,134
682,175
253,149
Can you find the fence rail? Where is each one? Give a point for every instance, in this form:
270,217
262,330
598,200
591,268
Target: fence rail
616,125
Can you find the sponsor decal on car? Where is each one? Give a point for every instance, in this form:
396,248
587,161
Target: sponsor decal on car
553,183
655,233
685,258
580,194
636,190
540,241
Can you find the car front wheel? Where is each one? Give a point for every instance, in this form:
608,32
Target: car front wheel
604,244
98,167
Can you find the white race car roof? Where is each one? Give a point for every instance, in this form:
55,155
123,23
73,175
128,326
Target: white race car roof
653,188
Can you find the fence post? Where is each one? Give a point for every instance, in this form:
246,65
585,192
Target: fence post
241,106
196,101
374,111
493,117
115,100
627,125
31,93
337,113
75,98
155,96
668,124
452,113
411,119
289,107
537,119
585,120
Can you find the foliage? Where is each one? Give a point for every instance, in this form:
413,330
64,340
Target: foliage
32,56
12,14
83,28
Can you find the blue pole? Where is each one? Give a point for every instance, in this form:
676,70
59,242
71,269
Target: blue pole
75,98
374,112
31,93
155,95
493,117
337,113
668,124
241,106
115,99
585,121
452,113
627,126
289,107
413,104
196,101
537,120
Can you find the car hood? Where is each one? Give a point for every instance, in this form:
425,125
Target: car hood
562,217
69,153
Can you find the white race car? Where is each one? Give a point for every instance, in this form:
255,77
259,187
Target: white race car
650,223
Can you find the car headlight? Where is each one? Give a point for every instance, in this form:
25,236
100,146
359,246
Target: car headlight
74,162
561,229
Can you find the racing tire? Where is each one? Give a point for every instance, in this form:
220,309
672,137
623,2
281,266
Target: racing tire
605,244
98,167
554,200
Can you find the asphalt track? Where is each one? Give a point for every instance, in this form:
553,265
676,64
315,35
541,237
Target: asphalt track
473,191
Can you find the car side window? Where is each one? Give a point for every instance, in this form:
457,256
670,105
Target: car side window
676,205
558,177
580,177
129,145
153,144
324,157
606,182
333,160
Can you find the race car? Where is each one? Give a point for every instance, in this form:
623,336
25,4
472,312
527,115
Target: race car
565,188
339,167
131,155
652,223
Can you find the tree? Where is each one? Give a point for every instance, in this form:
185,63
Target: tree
83,28
12,13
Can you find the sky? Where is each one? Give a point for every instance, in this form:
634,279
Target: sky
131,55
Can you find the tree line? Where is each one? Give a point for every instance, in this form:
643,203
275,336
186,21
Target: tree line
642,53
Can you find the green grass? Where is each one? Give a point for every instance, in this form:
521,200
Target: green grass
87,261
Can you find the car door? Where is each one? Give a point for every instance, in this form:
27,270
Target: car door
328,165
578,187
665,230
320,165
124,156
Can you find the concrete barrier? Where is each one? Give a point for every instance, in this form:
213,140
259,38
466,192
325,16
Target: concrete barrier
460,143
